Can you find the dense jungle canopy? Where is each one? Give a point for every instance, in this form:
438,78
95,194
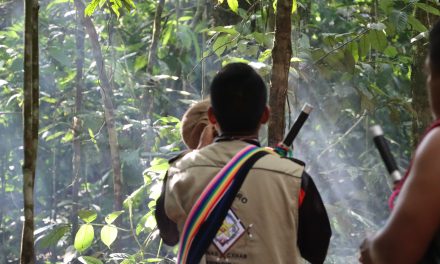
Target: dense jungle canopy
115,77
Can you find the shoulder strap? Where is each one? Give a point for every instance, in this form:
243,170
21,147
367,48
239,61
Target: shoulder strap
210,209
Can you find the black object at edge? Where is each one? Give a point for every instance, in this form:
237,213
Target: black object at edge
314,229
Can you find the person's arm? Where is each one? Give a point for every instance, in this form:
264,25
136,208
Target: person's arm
416,217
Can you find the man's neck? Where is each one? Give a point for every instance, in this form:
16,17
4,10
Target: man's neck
251,139
240,137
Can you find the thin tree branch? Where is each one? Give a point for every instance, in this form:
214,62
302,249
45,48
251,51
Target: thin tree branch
358,121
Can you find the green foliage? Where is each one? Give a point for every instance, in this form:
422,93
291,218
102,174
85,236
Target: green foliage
84,237
87,216
89,260
115,6
351,59
233,5
109,233
52,238
109,219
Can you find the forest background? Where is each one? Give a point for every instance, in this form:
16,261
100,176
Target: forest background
116,76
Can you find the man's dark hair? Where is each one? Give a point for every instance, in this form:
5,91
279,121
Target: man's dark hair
238,98
434,47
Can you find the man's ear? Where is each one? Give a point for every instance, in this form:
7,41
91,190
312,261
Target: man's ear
265,116
211,117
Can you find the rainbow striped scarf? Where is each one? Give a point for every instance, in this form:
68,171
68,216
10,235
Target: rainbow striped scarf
217,195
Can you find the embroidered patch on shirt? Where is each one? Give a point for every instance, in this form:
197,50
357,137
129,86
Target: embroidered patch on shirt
230,231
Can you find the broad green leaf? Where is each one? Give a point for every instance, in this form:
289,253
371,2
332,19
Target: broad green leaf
349,61
128,261
263,39
416,24
390,51
54,236
150,223
84,237
130,3
386,5
46,99
151,260
115,9
89,260
141,62
117,2
378,40
354,48
110,218
168,119
92,136
87,216
67,137
265,55
68,79
428,8
166,34
10,34
220,44
364,45
109,233
158,165
233,5
55,135
90,9
294,6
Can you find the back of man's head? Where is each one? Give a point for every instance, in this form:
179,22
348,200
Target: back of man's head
238,98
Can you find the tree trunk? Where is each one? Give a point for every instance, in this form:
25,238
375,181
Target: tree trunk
53,198
201,5
270,23
422,112
108,106
281,54
152,57
3,163
76,162
30,122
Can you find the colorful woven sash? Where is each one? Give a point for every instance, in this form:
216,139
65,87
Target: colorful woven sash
211,207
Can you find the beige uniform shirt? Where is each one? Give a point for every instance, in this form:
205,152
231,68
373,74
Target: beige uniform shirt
262,224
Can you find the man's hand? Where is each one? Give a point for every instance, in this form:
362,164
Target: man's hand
207,136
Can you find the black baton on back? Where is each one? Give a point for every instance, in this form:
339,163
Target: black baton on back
385,153
299,122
